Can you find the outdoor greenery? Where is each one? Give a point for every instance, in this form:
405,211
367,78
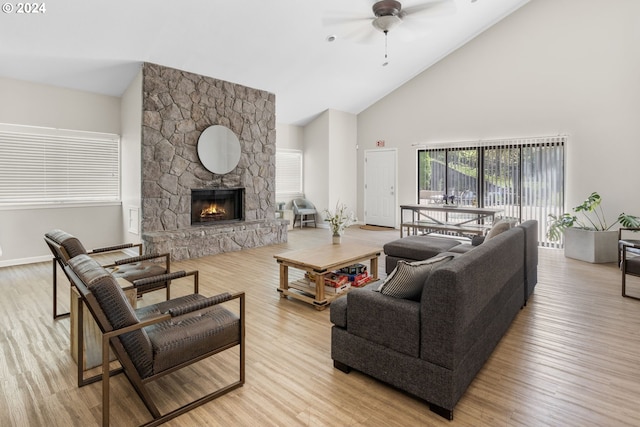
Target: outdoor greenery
466,162
593,219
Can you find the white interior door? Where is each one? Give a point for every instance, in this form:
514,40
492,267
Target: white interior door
380,199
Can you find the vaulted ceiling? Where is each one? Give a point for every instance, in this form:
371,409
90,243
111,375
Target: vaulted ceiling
281,46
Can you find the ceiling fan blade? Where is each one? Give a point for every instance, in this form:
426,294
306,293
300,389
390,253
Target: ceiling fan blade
348,27
365,35
333,21
429,10
410,30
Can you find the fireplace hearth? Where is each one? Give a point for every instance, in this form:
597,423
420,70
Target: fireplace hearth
217,205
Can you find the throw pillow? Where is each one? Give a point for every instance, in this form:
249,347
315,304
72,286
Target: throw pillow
498,227
407,279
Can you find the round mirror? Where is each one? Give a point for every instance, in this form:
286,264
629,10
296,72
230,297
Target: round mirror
219,149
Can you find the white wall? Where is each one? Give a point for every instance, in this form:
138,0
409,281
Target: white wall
316,161
329,160
131,152
553,66
25,103
289,137
343,174
22,230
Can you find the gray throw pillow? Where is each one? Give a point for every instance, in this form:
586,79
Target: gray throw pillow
407,279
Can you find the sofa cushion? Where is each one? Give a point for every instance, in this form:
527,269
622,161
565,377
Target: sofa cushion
390,322
407,279
461,249
419,247
498,227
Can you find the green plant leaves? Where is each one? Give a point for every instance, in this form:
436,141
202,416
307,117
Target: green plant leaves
557,224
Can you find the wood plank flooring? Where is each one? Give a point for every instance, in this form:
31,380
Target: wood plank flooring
571,357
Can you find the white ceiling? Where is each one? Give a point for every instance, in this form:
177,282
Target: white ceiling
275,45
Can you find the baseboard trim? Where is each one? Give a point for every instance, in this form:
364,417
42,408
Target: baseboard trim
22,261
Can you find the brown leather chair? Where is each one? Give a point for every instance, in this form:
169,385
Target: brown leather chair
628,257
136,270
157,340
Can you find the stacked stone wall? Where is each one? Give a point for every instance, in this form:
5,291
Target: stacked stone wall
177,107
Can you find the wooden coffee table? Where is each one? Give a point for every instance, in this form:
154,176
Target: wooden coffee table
319,262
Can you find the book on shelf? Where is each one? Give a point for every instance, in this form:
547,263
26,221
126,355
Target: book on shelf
354,269
333,283
361,281
335,280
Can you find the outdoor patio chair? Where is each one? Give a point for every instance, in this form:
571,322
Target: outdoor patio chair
160,339
628,257
304,210
64,246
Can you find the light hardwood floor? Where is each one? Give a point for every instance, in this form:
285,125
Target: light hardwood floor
571,357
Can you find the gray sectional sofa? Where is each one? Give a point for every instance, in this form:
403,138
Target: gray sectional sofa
434,345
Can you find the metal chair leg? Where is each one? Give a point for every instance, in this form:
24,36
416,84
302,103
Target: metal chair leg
56,315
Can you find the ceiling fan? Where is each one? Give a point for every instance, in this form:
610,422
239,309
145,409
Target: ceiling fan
390,14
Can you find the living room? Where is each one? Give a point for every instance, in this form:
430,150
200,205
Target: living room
551,67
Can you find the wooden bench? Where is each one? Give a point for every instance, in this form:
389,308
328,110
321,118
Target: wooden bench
426,226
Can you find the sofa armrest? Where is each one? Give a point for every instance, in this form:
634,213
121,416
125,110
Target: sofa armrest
338,312
388,321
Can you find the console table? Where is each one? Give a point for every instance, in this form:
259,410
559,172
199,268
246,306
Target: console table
446,218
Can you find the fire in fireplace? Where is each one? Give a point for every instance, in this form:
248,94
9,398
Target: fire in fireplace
219,205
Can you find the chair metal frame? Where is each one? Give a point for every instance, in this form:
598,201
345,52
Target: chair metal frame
623,247
110,341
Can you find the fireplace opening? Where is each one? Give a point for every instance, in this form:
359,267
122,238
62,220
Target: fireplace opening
214,206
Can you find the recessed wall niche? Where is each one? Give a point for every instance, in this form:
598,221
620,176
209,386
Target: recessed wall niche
177,107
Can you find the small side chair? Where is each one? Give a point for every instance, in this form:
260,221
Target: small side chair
304,210
628,257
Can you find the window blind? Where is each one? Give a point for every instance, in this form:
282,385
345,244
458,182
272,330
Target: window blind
522,176
288,173
46,166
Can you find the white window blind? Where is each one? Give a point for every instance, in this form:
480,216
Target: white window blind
288,173
46,166
524,177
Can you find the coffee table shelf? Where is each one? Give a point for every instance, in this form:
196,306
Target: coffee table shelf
319,262
308,286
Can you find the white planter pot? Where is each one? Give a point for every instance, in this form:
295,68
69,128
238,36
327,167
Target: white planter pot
591,246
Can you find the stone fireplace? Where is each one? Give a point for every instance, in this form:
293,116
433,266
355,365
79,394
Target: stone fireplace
177,107
217,206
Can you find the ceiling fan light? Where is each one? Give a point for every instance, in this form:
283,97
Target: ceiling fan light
386,22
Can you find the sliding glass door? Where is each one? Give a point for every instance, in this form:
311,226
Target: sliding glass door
523,177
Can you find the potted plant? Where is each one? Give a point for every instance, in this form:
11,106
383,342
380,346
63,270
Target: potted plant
590,238
339,220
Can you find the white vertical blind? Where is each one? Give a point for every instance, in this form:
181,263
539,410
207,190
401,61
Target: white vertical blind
288,173
46,166
522,176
